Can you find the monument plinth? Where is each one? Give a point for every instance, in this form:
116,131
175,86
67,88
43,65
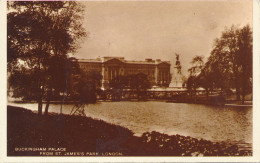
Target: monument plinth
176,79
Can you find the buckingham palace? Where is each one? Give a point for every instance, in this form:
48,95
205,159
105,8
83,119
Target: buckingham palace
157,71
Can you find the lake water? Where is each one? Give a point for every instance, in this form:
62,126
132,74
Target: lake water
230,124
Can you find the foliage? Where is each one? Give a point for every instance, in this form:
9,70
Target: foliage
193,80
119,82
231,60
197,65
89,86
138,83
25,83
40,36
230,63
245,59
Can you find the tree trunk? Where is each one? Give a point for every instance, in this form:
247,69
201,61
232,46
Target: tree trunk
243,98
195,91
238,93
40,101
244,87
39,106
39,88
138,93
243,94
236,78
207,94
48,102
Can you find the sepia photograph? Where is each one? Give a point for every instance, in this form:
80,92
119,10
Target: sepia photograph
130,78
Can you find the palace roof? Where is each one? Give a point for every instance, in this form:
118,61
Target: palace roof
122,59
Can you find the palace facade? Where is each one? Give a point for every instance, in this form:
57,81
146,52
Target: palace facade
157,71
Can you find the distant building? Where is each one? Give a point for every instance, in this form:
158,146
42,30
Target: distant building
157,71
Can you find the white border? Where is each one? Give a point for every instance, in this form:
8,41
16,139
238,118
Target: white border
256,78
3,81
256,109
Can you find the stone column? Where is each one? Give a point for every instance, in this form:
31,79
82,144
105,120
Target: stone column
156,75
109,73
103,77
162,76
111,77
116,72
123,71
165,79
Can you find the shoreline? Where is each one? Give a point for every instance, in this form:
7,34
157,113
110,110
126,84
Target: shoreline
79,134
229,103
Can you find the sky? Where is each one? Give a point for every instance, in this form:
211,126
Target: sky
159,29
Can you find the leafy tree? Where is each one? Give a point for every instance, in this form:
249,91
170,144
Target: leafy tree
244,60
197,65
193,79
231,60
95,78
140,83
118,84
83,86
230,63
191,85
86,89
40,35
25,83
59,72
223,60
205,79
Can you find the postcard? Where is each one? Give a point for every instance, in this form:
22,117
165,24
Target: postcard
130,81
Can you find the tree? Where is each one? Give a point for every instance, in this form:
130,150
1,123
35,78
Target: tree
231,60
193,79
59,72
118,84
140,83
205,78
39,35
244,59
223,60
87,88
